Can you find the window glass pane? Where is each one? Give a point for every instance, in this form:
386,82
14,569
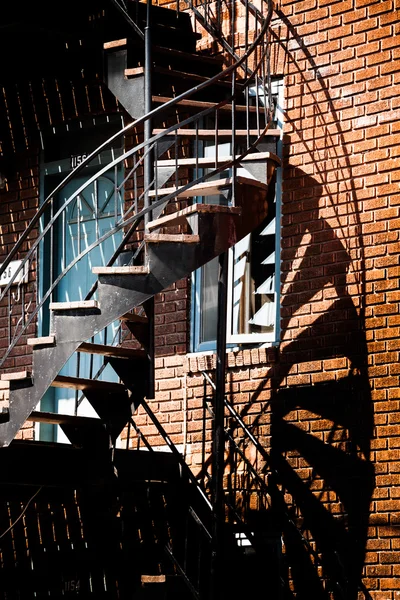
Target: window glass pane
209,301
208,274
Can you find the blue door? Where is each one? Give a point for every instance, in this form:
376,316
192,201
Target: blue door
89,216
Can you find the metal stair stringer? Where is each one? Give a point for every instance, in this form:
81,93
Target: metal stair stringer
120,289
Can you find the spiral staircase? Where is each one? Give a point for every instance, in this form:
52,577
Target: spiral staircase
178,102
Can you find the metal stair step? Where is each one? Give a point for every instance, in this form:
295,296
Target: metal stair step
210,162
79,383
180,238
174,74
76,305
202,104
59,419
48,340
207,188
159,14
180,54
221,133
127,270
179,217
114,351
184,33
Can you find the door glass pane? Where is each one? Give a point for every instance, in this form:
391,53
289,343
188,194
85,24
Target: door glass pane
89,217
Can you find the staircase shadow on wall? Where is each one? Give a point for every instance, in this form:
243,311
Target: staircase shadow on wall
325,467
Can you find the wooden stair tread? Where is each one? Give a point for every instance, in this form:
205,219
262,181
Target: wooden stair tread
222,133
181,238
180,215
58,419
210,162
48,340
127,270
78,304
208,188
204,104
78,383
113,351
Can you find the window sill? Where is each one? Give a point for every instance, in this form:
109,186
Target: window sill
236,357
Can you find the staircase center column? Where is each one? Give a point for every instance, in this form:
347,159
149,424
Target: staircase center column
219,434
148,162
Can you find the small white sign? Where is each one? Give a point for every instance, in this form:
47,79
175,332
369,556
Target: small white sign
76,159
10,272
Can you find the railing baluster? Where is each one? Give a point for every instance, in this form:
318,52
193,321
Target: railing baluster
78,206
176,151
233,140
257,104
216,138
52,258
21,291
135,185
64,240
77,371
9,316
116,193
96,208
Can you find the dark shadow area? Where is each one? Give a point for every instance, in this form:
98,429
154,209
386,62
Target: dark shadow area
71,528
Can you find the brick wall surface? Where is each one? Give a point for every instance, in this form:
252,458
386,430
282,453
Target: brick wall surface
325,404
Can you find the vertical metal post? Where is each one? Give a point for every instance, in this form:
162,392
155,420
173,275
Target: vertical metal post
219,435
148,177
148,164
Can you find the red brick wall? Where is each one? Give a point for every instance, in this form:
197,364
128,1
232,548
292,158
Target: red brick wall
326,405
19,201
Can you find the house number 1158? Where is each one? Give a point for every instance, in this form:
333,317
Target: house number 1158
76,160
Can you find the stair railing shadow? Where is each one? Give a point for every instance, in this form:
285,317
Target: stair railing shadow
346,470
256,501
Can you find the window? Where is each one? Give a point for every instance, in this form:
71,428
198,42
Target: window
253,290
